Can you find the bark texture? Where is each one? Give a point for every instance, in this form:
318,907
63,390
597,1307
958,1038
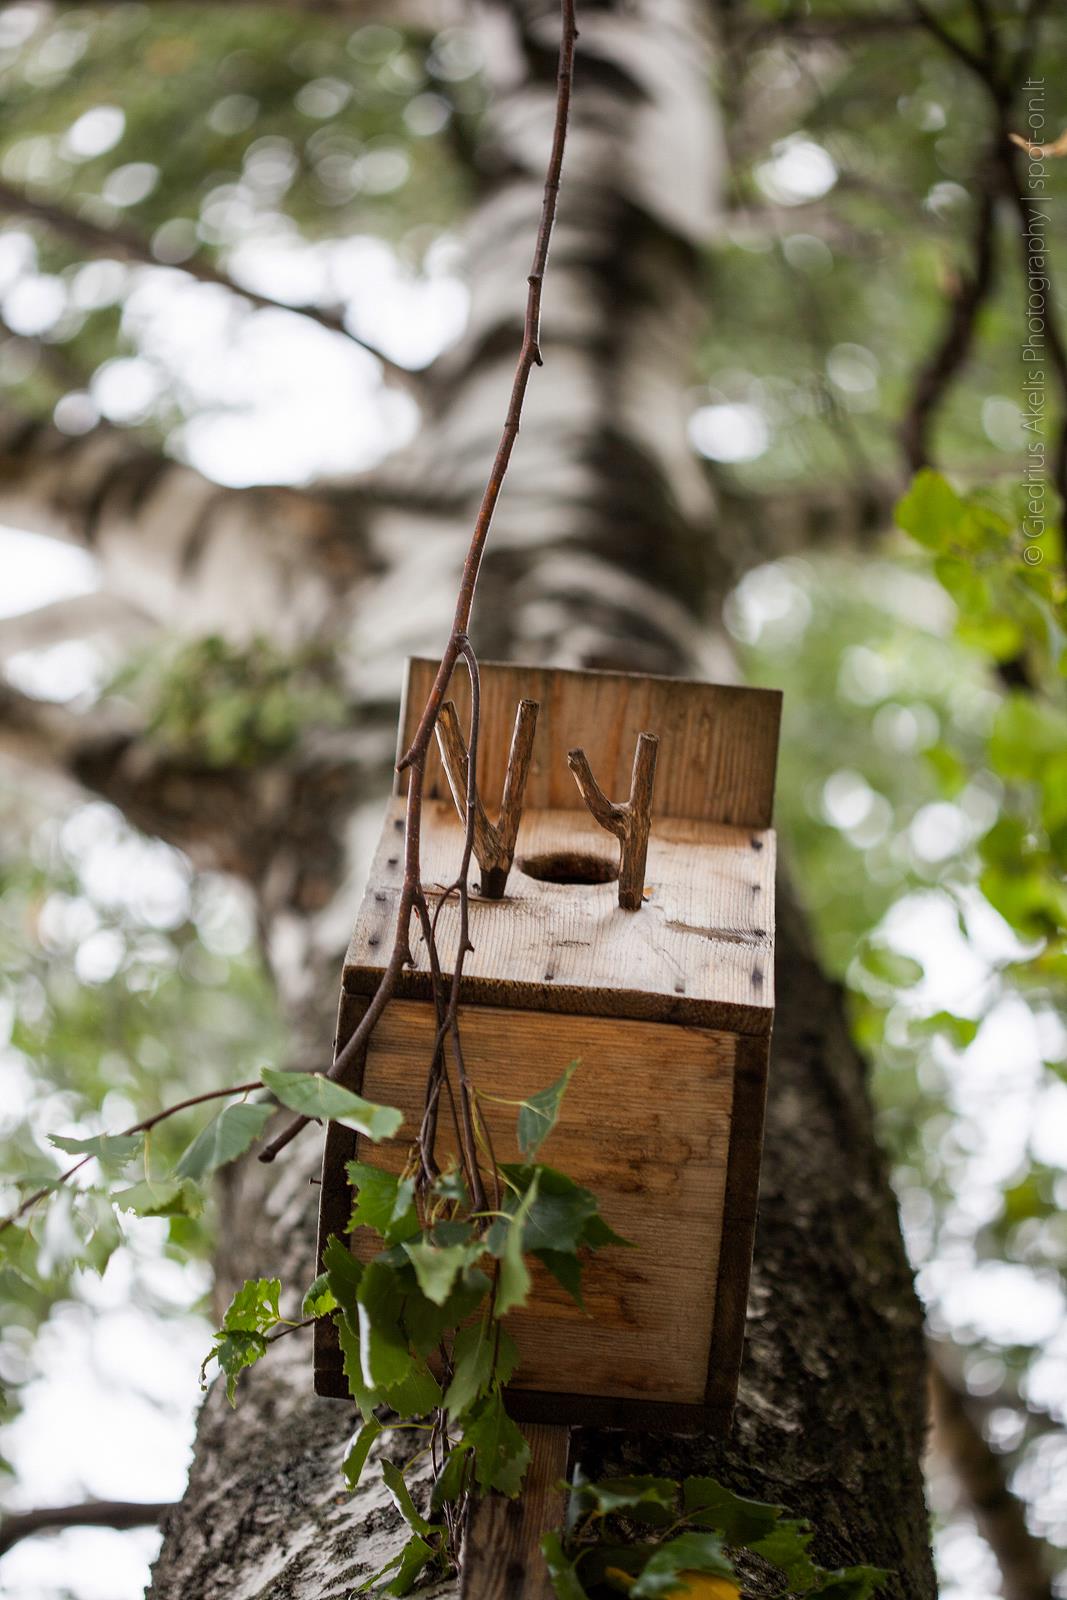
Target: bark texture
606,551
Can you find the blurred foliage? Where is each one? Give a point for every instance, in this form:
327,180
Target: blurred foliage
923,783
218,704
126,984
922,796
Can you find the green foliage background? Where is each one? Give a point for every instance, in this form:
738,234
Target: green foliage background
924,766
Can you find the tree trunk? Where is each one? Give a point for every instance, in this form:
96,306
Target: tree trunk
605,551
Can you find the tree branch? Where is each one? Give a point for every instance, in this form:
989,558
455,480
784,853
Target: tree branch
98,615
91,1514
414,759
982,1476
954,346
121,241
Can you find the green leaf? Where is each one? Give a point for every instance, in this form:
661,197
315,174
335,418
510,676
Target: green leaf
787,1547
890,966
436,1269
343,1274
561,1569
397,1486
501,1451
384,1202
240,1343
383,1348
408,1564
316,1096
559,1216
356,1459
112,1150
472,1368
364,1396
710,1504
847,1583
234,1352
596,1234
566,1269
931,511
224,1139
689,1552
167,1197
254,1308
451,1479
320,1298
513,1281
416,1395
538,1114
415,1556
961,1030
644,1498
427,1324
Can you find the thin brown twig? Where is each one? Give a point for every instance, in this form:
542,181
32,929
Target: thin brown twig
414,758
138,1127
999,71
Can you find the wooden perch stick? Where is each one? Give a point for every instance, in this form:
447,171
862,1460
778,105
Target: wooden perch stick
494,848
502,1557
630,821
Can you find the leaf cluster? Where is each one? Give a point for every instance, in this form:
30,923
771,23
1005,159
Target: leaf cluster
218,704
661,1539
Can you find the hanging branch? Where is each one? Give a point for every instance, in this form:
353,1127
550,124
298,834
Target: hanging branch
494,848
120,241
414,759
954,346
91,1514
999,71
630,821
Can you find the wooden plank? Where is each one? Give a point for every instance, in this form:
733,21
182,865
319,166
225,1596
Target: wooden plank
700,950
502,1557
718,743
645,1125
740,1206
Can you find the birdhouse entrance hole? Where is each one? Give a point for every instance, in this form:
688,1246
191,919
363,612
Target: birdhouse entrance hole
569,866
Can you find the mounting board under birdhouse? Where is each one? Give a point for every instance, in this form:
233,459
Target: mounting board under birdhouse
668,1008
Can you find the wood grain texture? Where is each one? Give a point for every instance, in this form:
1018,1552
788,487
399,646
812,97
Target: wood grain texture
645,1124
718,743
699,952
740,1207
502,1558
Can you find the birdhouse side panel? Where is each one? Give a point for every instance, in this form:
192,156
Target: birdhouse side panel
645,1125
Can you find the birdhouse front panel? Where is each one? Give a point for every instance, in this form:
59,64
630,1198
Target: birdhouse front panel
667,1008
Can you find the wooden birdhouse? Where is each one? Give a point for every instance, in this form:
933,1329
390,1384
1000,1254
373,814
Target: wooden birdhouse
666,1000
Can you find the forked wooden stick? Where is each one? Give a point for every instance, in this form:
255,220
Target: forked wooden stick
629,821
494,847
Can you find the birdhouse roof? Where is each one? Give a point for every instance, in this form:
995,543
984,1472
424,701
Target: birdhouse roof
700,951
